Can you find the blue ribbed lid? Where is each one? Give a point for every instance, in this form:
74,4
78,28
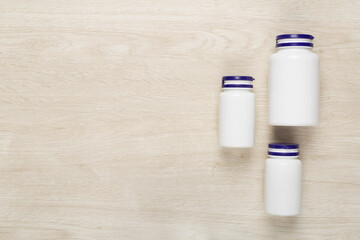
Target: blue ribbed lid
233,82
294,40
285,36
283,145
283,150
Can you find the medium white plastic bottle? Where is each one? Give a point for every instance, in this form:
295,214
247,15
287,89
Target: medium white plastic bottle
294,82
283,180
237,112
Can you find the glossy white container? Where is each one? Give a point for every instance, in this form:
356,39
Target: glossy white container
283,180
294,82
237,112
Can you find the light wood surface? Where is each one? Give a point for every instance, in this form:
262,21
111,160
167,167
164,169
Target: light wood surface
109,120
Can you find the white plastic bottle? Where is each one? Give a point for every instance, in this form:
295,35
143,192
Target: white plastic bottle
283,180
237,112
294,82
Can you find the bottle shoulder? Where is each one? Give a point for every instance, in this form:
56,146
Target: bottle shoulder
283,161
294,53
247,94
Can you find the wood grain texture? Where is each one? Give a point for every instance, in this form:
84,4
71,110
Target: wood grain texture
108,116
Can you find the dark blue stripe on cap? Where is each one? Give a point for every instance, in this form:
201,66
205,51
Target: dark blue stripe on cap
246,78
299,44
284,145
283,154
237,86
285,36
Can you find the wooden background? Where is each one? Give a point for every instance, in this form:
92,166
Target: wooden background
109,120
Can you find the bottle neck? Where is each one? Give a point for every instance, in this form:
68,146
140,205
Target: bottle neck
283,157
237,89
294,48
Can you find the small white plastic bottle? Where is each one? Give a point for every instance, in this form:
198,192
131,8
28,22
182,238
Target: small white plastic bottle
283,180
237,112
294,82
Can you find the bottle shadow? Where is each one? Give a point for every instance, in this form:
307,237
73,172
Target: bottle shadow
299,135
284,225
236,157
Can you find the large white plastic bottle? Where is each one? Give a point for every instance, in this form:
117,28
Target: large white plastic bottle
237,112
283,180
294,82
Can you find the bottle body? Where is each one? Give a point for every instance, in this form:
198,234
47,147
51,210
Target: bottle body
294,87
283,186
237,117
